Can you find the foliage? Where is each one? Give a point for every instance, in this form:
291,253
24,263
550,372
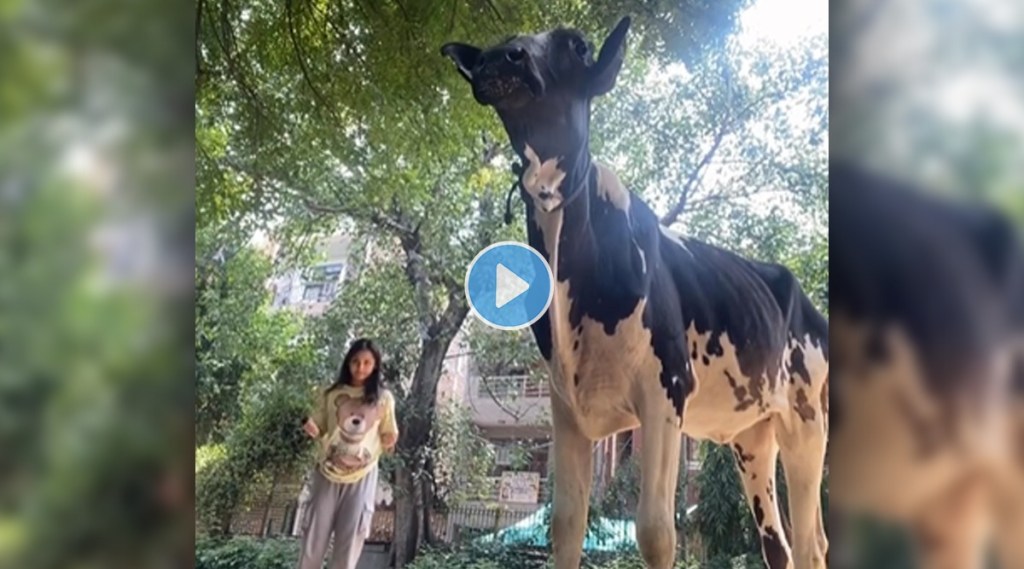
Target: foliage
461,457
517,557
620,498
268,439
723,518
246,553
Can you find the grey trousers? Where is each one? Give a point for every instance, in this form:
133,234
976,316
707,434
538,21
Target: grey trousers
346,510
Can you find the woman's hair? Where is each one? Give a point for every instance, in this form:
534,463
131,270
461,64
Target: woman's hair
374,383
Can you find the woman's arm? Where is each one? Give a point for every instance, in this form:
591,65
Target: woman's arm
316,422
388,423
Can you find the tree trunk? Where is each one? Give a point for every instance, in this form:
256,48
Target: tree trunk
416,425
266,506
408,520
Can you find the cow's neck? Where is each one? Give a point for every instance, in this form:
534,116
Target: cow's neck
567,228
555,153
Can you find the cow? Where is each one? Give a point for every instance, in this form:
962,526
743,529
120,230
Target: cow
647,328
927,418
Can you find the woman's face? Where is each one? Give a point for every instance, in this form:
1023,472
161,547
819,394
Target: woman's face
361,366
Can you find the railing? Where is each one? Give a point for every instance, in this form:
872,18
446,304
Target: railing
506,387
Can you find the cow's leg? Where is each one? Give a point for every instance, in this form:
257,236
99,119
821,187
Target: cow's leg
952,531
756,452
802,442
1010,498
659,470
573,477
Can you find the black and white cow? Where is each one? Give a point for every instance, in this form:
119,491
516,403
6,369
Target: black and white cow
927,310
647,328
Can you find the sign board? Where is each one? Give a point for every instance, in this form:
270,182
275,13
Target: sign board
519,487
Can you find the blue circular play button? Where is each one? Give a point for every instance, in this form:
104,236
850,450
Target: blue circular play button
509,285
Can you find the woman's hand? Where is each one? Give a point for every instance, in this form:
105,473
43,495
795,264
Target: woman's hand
388,440
311,429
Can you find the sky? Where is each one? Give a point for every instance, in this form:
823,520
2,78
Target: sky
783,21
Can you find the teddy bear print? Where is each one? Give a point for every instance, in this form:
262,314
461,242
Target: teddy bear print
347,450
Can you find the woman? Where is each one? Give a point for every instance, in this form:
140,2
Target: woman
353,421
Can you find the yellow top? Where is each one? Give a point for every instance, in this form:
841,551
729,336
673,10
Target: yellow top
350,431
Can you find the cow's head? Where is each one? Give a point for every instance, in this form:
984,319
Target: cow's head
541,85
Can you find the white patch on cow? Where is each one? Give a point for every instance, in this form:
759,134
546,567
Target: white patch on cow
643,257
608,368
678,240
610,188
543,180
892,403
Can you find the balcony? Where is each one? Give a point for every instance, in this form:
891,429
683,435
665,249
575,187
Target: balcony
515,401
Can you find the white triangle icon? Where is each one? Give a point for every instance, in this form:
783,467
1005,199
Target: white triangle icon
509,286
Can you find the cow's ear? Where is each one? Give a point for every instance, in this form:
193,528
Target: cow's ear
606,69
464,56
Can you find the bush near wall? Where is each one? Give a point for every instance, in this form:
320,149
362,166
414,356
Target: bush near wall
255,553
246,553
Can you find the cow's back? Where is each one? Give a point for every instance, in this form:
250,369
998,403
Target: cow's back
757,344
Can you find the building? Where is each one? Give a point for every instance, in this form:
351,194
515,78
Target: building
312,289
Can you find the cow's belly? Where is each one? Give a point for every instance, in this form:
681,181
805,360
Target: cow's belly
725,401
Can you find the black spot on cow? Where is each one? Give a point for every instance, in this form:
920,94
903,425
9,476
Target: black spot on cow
875,349
774,552
758,511
741,457
693,352
705,360
576,378
796,365
744,398
576,345
714,345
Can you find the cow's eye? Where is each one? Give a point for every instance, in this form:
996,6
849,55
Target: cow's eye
579,46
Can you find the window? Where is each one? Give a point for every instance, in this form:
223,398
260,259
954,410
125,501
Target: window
503,454
322,282
312,292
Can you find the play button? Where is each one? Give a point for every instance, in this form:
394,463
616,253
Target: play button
509,285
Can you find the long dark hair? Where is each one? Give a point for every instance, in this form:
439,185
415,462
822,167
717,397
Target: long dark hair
374,383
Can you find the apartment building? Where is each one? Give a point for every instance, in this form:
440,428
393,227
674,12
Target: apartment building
312,289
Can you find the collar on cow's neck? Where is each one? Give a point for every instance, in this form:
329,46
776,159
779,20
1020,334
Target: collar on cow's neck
518,170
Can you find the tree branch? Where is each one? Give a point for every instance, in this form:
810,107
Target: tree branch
290,17
674,213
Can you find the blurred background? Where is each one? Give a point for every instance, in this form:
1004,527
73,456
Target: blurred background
96,233
926,290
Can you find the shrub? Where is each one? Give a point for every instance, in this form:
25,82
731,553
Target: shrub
246,553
